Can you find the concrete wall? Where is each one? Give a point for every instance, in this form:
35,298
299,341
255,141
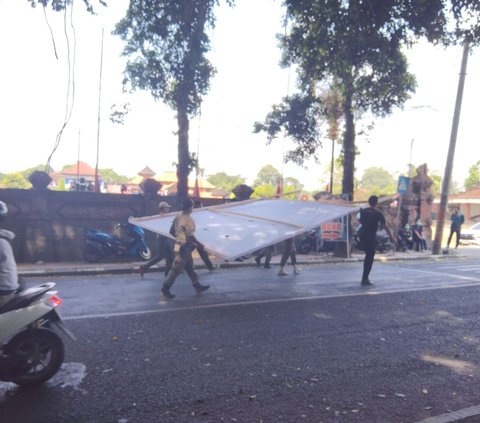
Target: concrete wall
49,225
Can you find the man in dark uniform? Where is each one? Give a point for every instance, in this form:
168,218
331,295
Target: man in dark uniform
371,220
456,226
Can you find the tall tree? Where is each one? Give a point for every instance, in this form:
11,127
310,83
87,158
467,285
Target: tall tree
333,108
357,47
267,175
377,180
109,176
473,178
166,43
436,188
224,181
292,184
264,191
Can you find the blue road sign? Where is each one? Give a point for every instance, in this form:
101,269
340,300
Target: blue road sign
403,184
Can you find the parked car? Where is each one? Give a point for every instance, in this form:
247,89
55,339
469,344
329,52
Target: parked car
472,234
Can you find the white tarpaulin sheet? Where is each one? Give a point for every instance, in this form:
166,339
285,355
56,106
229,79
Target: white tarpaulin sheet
239,228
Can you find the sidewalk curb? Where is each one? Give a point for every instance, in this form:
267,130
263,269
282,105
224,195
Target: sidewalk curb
80,268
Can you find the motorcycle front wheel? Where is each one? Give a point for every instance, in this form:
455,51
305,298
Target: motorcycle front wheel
145,254
92,253
305,247
43,351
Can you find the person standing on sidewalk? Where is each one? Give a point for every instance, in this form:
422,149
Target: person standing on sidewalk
164,246
290,250
457,220
184,228
420,241
9,283
371,219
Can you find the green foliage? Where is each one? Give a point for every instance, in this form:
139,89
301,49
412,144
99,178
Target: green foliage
356,54
467,22
60,185
166,43
377,181
109,176
292,184
59,5
226,182
291,192
298,115
27,172
267,175
15,180
436,187
266,184
353,48
264,191
473,178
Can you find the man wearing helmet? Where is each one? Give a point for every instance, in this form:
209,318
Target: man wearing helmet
8,266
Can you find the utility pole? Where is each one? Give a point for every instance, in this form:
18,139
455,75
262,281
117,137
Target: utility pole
332,164
97,182
410,163
437,243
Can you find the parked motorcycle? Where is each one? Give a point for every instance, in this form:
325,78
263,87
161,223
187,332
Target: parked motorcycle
312,242
31,352
382,242
100,244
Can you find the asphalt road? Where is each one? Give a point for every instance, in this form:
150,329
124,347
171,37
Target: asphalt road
315,347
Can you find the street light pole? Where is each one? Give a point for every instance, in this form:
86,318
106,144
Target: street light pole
437,243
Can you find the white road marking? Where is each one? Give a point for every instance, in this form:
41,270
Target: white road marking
454,415
364,292
439,272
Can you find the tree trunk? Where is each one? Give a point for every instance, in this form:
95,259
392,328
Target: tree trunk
348,147
348,160
183,156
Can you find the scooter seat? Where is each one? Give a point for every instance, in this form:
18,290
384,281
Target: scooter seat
26,297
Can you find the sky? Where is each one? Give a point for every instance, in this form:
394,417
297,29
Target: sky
38,92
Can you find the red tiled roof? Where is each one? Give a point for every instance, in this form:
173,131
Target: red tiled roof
81,169
471,193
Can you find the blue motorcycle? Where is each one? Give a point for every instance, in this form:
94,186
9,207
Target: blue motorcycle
100,244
